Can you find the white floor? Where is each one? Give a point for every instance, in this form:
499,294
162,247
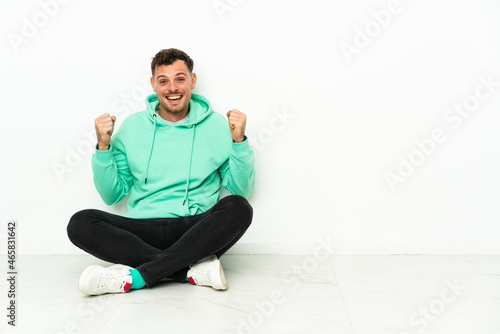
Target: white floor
271,294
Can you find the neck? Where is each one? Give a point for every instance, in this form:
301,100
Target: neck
172,117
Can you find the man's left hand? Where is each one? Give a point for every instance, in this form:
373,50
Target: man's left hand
237,124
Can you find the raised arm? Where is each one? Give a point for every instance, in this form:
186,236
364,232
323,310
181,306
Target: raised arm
112,177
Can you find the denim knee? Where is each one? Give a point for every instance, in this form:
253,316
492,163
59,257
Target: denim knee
77,224
239,205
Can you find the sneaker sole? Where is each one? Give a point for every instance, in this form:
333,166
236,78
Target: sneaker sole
222,285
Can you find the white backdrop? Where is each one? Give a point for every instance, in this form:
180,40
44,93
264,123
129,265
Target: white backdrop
375,123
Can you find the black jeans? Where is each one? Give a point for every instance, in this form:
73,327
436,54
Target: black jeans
161,247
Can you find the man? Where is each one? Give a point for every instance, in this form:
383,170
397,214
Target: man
171,159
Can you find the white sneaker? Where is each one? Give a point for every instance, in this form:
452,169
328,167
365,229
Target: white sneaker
208,272
97,280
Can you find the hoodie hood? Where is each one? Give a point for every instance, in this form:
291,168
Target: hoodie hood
199,109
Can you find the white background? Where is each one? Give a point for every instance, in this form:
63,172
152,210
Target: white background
344,120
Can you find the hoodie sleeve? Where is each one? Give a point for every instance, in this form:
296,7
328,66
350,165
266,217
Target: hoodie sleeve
112,176
238,172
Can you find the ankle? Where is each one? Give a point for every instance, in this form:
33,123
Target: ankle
137,280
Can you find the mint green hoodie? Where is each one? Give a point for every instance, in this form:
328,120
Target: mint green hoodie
173,170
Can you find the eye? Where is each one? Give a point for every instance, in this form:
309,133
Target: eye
180,79
163,82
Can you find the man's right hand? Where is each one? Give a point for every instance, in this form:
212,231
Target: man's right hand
104,126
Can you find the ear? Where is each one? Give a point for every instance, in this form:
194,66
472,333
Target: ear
193,80
153,84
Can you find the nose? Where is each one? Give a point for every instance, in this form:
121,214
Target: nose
171,86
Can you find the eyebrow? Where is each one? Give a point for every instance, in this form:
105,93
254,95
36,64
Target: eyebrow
180,73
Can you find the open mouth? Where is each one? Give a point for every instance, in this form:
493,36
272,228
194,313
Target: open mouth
174,97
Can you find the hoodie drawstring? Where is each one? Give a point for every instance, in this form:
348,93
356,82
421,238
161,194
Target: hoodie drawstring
190,159
151,151
189,168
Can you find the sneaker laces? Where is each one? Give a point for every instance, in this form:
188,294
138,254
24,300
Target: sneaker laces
113,282
200,277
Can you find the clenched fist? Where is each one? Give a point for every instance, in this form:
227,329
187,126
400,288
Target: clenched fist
237,124
104,126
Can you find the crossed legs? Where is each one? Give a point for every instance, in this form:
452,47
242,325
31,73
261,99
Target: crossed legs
161,247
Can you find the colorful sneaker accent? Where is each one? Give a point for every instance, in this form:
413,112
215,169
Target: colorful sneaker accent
208,272
97,280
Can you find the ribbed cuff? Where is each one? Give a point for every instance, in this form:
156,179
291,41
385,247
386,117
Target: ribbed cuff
103,157
242,148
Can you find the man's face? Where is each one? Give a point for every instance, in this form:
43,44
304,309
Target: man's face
172,85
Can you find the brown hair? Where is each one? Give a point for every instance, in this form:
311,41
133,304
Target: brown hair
168,56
